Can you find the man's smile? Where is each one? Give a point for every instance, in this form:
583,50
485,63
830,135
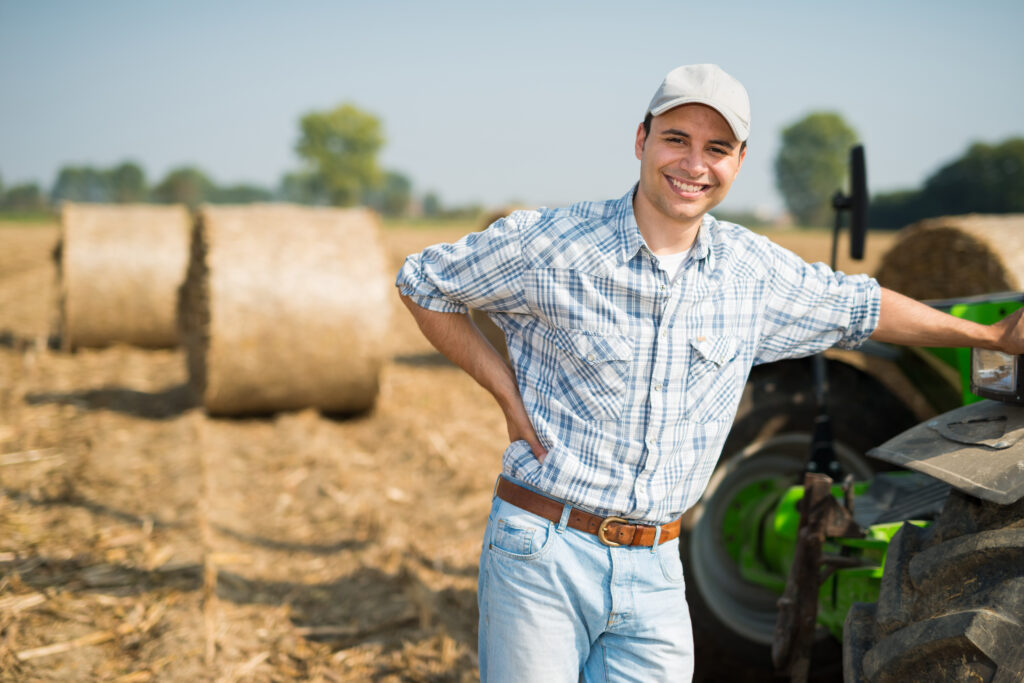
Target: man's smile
686,188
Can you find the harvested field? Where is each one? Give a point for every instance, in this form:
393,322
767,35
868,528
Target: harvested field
142,540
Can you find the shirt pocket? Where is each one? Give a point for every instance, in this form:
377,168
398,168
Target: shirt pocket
594,373
712,384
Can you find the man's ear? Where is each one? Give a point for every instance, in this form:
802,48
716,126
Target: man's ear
743,155
641,138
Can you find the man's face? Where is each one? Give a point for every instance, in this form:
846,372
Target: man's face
687,163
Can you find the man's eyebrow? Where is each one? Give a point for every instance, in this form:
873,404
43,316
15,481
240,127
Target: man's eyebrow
675,132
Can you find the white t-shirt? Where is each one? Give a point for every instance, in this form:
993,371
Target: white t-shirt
672,264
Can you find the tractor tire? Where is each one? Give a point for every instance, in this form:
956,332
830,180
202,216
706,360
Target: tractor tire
771,439
951,604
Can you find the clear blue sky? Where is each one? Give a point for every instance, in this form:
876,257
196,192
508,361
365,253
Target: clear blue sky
528,101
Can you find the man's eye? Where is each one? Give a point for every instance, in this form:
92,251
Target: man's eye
674,140
718,150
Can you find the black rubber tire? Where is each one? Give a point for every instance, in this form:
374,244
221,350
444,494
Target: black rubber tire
778,403
951,604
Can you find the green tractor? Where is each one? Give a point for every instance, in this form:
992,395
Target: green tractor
849,531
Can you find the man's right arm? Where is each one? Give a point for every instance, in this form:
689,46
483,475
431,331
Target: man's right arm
455,336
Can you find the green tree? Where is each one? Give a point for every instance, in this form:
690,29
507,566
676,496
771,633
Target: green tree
304,187
186,185
240,194
431,205
24,197
81,184
341,147
812,165
985,179
127,182
392,196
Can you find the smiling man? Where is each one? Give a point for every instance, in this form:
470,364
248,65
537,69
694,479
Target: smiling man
631,326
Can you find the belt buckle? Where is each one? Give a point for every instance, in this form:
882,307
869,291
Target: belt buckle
604,528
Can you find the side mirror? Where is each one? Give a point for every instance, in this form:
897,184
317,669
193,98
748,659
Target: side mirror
856,203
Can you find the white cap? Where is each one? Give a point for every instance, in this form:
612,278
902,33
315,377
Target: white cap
705,84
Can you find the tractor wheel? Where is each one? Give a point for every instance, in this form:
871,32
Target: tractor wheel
770,443
951,604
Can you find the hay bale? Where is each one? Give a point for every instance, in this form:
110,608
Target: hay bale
956,256
285,307
119,270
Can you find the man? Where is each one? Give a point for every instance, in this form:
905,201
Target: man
631,327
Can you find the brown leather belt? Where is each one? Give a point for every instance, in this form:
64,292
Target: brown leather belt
611,531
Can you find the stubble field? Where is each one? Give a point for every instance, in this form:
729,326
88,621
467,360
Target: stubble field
142,540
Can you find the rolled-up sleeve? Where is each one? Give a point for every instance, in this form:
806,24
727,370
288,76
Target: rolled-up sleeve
810,308
483,270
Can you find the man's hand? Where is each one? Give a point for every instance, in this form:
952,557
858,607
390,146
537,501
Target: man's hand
1011,332
455,336
521,429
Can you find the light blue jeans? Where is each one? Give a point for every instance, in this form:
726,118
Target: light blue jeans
558,605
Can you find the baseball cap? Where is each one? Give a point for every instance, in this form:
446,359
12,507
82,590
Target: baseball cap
705,84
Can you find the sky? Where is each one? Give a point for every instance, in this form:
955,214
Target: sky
514,103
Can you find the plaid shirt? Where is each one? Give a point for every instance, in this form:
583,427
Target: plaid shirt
632,380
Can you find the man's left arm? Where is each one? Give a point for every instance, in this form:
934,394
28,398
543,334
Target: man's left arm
908,322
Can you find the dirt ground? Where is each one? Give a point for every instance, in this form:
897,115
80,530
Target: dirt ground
142,540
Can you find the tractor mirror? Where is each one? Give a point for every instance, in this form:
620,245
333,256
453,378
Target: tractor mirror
858,202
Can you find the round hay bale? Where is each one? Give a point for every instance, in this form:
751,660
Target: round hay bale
119,269
285,307
956,256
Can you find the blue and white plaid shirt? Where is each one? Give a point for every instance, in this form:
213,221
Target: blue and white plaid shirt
631,379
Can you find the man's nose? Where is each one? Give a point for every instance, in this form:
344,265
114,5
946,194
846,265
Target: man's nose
693,162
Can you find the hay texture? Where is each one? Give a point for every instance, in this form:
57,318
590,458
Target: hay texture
956,256
119,269
285,307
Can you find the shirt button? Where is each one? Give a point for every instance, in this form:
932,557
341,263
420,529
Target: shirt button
591,357
657,387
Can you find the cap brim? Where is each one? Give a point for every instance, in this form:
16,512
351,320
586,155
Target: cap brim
741,131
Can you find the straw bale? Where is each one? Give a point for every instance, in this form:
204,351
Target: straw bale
119,268
285,307
956,256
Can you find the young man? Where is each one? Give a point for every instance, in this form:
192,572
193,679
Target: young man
631,327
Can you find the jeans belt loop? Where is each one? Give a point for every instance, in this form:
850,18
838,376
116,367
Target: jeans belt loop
657,539
564,521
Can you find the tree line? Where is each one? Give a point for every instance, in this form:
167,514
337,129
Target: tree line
812,165
337,149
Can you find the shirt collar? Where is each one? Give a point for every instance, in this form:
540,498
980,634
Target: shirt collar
630,239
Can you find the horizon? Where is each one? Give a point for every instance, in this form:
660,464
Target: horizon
528,105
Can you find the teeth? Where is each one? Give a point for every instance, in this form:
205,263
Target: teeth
685,187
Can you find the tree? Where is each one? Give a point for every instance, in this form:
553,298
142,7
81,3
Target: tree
986,179
24,197
127,183
812,165
240,194
341,147
431,204
304,187
186,185
392,196
81,184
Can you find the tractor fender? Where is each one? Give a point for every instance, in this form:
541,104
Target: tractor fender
978,449
921,382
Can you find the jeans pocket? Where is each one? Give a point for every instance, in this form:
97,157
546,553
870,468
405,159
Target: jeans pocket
671,563
518,534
